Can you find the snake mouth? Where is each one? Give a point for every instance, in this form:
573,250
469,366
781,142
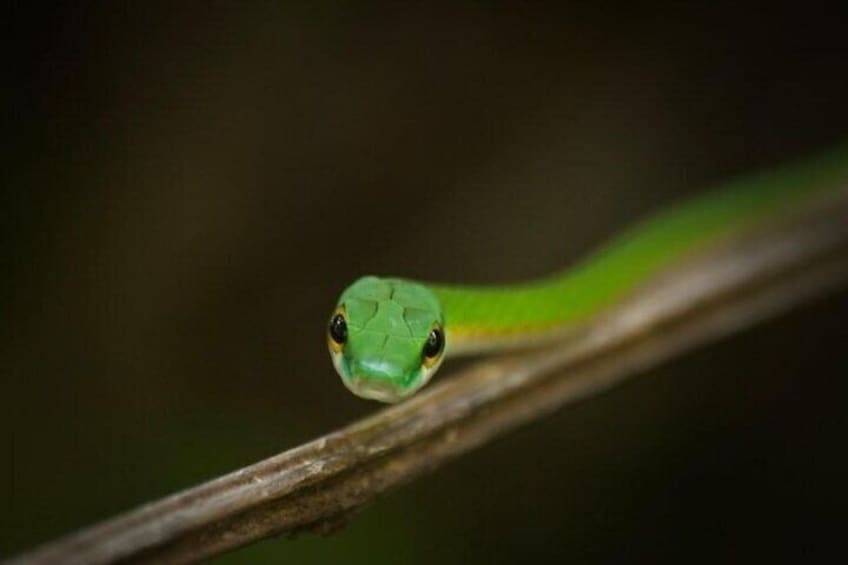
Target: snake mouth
375,389
379,378
369,381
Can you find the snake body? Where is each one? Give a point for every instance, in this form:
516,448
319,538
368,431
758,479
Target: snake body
388,336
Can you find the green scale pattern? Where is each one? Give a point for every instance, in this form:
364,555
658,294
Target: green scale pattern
388,321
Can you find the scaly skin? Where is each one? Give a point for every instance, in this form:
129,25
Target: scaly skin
389,321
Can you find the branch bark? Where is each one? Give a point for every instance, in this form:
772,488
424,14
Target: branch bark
314,485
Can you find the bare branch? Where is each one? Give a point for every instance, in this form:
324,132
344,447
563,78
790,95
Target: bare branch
310,486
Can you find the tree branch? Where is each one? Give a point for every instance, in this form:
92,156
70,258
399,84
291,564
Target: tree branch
311,486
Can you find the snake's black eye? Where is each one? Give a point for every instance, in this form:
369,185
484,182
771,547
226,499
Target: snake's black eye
435,343
338,329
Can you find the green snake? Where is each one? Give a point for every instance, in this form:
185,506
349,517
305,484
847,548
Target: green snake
388,336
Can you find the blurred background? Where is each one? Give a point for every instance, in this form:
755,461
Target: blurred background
187,189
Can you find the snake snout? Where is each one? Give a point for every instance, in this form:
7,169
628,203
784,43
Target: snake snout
380,378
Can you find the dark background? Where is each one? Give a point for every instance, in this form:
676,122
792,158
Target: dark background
186,190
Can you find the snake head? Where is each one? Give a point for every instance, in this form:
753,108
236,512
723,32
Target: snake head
386,337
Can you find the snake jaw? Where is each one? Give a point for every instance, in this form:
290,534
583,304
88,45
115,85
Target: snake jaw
380,378
374,379
383,391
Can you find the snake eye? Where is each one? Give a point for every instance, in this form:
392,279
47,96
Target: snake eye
338,329
433,346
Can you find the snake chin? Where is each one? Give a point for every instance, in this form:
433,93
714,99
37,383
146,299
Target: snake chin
378,386
376,390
